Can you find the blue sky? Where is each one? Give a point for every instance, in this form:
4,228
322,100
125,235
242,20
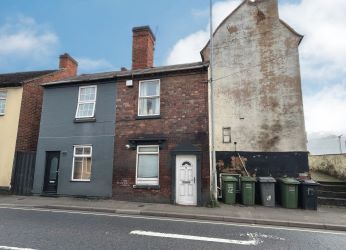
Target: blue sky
101,29
98,34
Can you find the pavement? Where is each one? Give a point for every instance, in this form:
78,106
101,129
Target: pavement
327,218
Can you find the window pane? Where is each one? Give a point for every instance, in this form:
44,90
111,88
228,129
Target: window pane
2,106
53,168
87,150
150,88
78,168
148,149
79,151
226,131
147,166
2,95
85,109
149,106
86,168
87,94
82,168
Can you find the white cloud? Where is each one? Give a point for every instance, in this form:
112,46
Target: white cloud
325,111
188,48
23,39
92,65
323,23
325,115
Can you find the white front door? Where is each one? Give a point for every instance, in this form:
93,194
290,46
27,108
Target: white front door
185,180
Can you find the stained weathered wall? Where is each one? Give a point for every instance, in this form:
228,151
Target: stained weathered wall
334,165
257,81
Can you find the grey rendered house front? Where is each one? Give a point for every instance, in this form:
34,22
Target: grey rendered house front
76,140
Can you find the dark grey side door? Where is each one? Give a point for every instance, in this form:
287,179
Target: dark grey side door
52,172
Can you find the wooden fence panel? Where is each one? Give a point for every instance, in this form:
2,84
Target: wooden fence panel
23,173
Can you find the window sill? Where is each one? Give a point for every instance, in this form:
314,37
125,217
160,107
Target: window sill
81,120
80,180
148,187
148,117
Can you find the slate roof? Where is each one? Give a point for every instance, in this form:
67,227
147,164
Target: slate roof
129,73
17,79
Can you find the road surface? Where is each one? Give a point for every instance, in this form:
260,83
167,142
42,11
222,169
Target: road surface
29,228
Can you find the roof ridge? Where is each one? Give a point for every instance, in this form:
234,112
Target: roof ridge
27,72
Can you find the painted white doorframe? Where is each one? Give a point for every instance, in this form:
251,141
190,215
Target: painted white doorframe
186,180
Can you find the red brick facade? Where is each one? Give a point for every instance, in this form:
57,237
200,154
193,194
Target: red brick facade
183,119
31,106
142,48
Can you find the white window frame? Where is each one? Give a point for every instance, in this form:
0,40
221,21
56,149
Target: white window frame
148,181
82,155
147,97
86,102
5,99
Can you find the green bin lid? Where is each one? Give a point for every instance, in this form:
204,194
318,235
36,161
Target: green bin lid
248,179
229,178
290,181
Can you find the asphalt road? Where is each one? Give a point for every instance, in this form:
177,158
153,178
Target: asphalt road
48,229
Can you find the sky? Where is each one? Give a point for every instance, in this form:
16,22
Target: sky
98,34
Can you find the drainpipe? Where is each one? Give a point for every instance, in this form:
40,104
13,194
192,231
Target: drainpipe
213,188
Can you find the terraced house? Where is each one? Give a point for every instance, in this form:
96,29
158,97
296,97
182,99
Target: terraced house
143,134
20,112
139,134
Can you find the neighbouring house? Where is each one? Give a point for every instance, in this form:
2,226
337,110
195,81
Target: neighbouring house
259,118
139,134
76,140
20,112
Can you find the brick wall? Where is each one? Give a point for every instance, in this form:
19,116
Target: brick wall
142,48
31,107
184,118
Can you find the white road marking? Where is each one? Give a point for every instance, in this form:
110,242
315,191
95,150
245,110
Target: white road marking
252,242
15,248
179,220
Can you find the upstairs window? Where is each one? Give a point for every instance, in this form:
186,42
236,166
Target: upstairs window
3,95
86,102
149,98
81,169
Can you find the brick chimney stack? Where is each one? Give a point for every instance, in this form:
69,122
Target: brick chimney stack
69,64
143,46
